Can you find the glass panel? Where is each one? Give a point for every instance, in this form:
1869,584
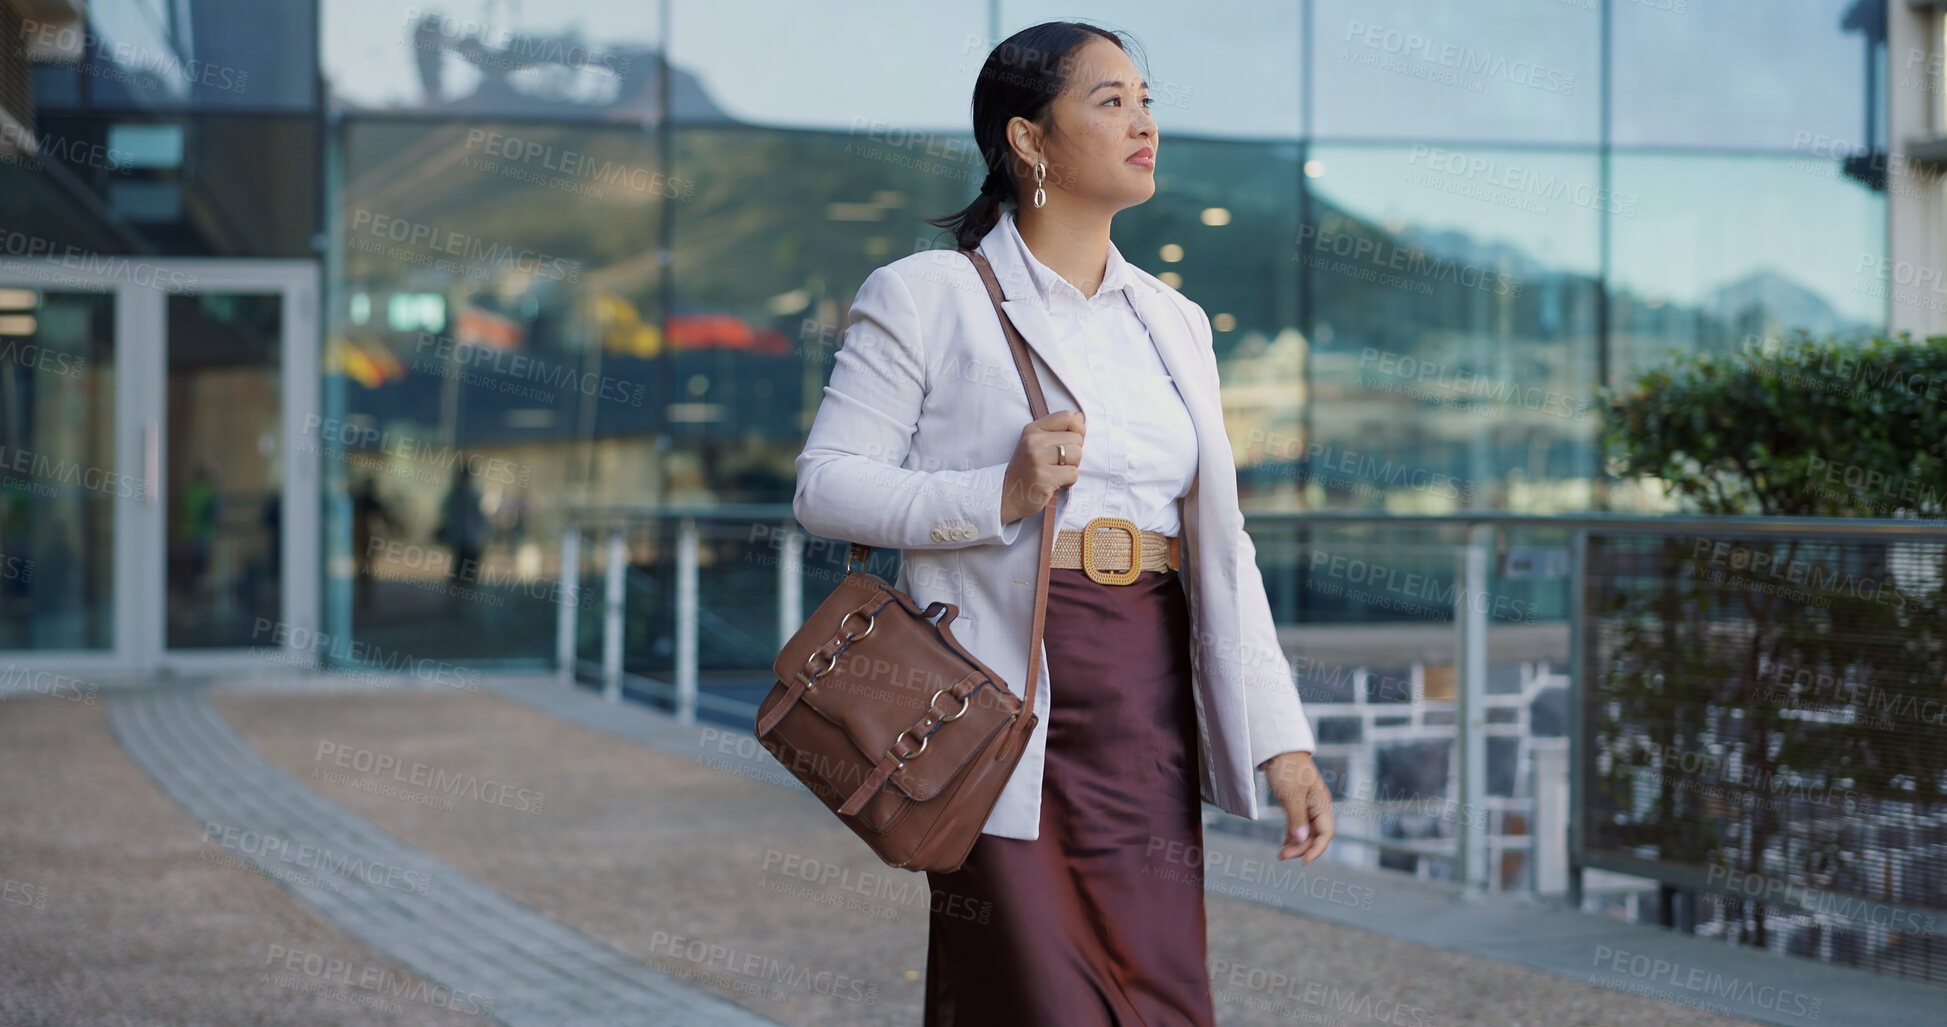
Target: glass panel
1500,70
225,469
1246,79
1454,343
576,59
58,479
1742,74
884,66
220,186
1729,249
503,320
182,55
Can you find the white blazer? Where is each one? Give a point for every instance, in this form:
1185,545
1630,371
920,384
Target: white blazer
909,449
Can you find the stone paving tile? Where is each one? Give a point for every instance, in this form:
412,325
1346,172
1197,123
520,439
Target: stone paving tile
413,905
115,911
640,846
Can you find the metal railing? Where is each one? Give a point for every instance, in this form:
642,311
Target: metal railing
1480,536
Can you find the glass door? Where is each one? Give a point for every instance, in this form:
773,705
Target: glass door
64,494
155,482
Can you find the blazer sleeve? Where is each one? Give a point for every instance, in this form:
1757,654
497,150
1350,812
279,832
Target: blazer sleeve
852,480
1273,712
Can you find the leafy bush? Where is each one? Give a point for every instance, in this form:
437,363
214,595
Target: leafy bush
1767,704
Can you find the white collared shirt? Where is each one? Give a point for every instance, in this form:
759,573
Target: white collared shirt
1139,452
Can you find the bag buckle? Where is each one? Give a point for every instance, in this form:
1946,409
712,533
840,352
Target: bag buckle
1135,550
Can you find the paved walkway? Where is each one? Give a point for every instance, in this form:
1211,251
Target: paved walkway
542,857
512,962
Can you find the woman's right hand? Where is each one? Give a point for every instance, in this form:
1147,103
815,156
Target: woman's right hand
1033,475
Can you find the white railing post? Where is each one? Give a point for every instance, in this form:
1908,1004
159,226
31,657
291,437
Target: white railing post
1470,729
790,585
686,619
1550,838
612,613
569,595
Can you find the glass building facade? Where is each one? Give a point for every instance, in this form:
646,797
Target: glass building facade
599,253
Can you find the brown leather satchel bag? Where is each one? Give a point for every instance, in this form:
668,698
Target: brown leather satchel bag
887,718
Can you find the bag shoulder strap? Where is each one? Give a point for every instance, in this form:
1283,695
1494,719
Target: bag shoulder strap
1038,406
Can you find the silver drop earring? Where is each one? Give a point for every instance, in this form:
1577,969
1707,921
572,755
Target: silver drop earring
1040,194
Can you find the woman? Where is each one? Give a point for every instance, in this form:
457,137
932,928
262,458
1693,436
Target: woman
1163,683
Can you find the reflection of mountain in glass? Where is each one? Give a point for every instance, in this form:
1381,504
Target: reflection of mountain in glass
1447,368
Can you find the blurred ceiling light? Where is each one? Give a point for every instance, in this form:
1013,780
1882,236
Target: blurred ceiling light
1171,279
787,302
1171,253
1216,216
1224,322
19,299
854,212
16,324
1314,169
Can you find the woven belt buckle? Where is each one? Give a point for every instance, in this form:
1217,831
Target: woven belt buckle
1135,551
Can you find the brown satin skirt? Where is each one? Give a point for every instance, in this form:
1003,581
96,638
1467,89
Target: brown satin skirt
1099,922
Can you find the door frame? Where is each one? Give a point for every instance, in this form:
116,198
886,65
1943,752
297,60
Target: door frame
140,550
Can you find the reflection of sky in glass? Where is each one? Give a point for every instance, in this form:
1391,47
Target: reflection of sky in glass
1737,73
1501,200
135,33
1712,222
1508,70
906,65
1231,69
